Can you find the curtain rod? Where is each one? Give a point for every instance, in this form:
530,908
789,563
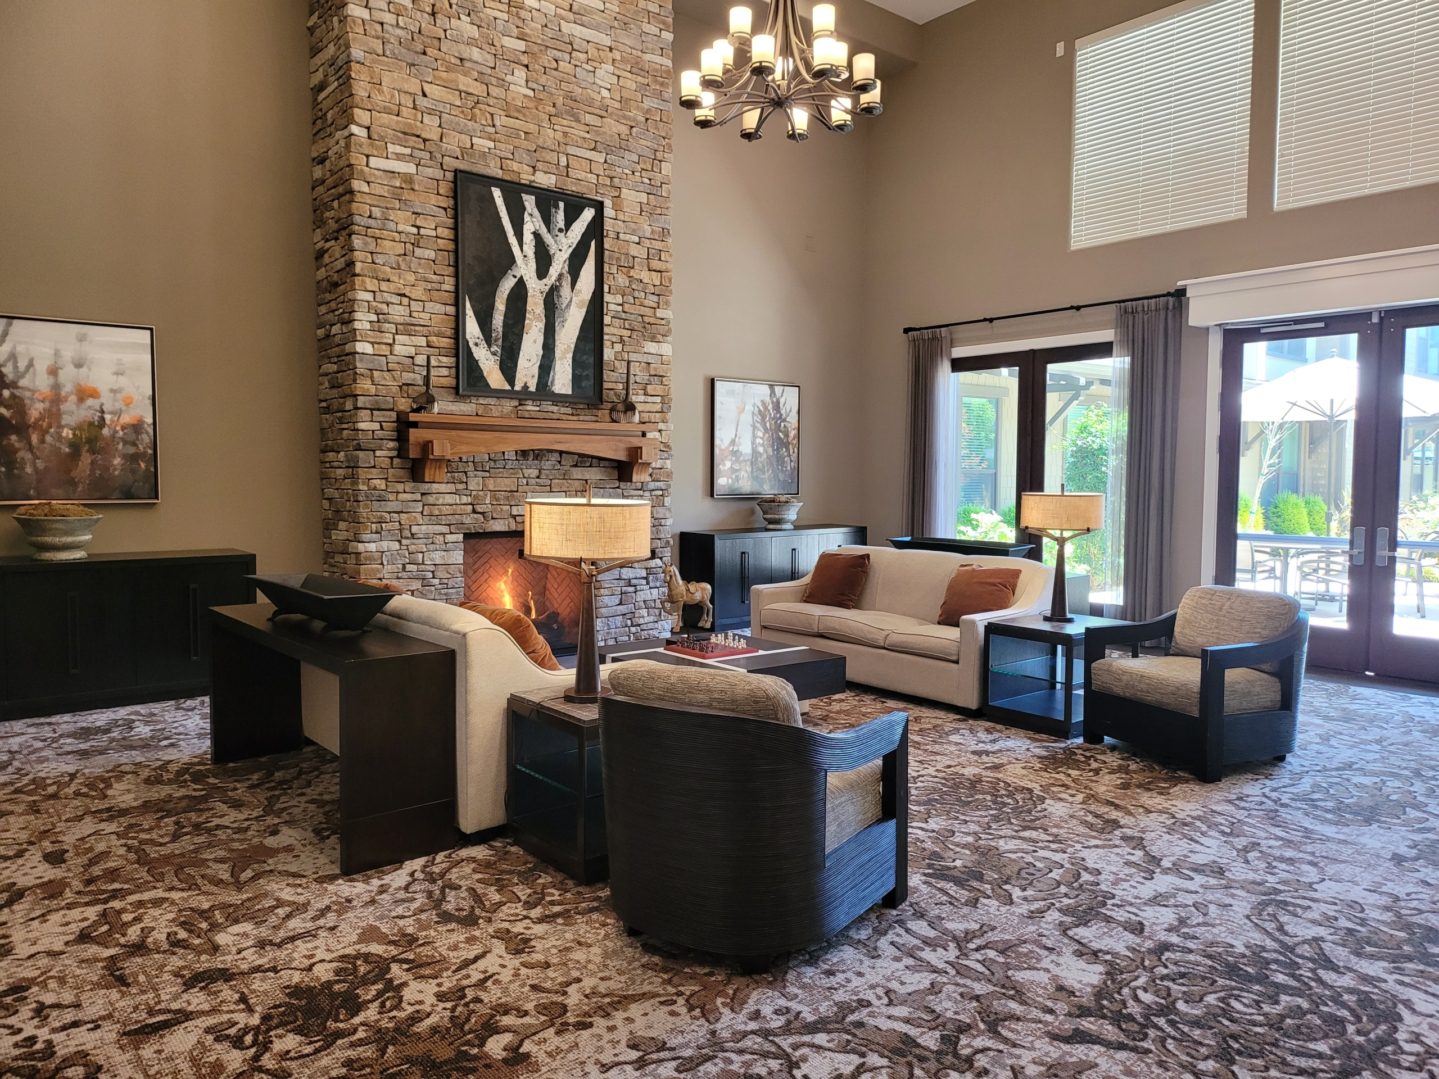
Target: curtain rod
1171,294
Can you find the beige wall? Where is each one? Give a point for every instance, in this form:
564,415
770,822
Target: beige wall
969,215
155,169
768,283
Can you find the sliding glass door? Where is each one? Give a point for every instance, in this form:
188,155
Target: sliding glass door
1328,482
1031,421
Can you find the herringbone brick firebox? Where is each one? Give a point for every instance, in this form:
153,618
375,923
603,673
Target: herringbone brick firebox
496,574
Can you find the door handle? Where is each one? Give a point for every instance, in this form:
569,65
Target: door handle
793,563
1356,546
744,576
72,631
1381,547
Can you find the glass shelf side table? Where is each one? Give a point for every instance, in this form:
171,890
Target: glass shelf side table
1034,673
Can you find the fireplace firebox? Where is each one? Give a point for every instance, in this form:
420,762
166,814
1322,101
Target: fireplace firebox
497,574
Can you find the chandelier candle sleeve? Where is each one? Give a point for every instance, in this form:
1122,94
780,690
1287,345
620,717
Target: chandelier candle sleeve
739,24
799,124
749,128
690,89
762,55
711,69
839,115
822,19
862,72
726,53
869,101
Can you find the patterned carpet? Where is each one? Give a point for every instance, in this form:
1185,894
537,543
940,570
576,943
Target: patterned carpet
1073,911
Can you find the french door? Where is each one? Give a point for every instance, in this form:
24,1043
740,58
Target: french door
1329,482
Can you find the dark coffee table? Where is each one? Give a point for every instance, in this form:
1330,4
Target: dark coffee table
811,672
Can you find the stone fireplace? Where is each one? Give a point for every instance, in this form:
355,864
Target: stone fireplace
497,574
573,96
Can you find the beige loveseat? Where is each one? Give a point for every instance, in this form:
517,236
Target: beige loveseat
489,666
892,639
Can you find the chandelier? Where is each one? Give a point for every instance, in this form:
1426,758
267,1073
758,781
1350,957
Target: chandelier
752,77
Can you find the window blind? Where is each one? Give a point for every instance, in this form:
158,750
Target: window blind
1161,122
1358,98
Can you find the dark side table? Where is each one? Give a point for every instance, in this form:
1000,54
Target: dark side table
554,799
1034,673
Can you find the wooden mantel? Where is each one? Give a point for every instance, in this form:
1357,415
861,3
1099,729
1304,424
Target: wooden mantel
429,440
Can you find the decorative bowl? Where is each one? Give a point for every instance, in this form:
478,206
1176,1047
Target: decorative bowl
778,515
335,601
58,539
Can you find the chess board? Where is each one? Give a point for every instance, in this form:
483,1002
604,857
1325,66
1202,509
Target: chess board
711,653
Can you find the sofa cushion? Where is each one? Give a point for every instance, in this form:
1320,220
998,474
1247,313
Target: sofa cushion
1173,682
935,642
852,803
1215,615
837,579
864,627
738,693
521,630
793,617
975,590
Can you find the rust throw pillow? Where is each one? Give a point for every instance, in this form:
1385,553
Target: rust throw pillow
521,629
837,579
976,589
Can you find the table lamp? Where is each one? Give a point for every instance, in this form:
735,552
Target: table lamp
1060,517
588,536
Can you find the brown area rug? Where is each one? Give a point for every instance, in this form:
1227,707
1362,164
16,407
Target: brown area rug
1073,910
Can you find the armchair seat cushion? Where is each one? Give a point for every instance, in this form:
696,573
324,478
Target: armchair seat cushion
1172,682
852,803
933,642
794,617
864,627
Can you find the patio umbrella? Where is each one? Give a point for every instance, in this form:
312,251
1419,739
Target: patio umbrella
1326,391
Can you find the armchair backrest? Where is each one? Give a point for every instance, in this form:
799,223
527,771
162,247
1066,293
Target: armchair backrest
1211,615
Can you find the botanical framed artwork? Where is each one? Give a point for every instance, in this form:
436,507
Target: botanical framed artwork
529,271
755,437
77,411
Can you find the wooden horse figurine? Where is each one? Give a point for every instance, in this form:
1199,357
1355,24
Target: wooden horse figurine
682,592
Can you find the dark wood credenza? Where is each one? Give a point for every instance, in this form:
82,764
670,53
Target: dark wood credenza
734,560
111,629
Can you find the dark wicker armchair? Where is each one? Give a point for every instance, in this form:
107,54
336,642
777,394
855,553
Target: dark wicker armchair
1217,699
717,827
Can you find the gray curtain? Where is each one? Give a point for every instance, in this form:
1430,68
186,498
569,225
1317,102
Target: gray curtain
1149,333
929,488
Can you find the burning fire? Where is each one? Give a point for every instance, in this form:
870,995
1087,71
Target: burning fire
507,598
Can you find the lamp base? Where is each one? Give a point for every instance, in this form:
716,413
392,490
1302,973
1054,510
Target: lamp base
1059,618
574,696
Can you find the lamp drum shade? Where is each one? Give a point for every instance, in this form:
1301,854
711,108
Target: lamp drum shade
594,530
1061,512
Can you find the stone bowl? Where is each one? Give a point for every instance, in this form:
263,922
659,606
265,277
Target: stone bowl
778,515
58,539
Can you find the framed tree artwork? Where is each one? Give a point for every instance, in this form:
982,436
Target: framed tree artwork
530,280
77,411
755,437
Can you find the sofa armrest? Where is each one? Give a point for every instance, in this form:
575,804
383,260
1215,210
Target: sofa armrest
762,595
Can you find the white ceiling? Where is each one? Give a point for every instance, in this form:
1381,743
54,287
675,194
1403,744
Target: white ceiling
920,11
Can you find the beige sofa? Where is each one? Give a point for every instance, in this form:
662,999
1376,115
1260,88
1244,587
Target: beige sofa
891,638
489,666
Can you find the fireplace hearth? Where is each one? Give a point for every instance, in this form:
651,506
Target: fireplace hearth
497,574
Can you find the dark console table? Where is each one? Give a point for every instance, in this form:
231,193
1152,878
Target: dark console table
733,560
396,723
111,629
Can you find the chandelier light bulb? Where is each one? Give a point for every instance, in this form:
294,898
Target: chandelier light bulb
749,126
840,56
711,69
840,117
863,72
825,53
739,24
822,20
726,54
705,114
761,55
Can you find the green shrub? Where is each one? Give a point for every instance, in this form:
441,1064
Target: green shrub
1318,514
1251,517
1287,515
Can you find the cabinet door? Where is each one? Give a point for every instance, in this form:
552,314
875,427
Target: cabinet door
740,562
793,555
173,603
67,632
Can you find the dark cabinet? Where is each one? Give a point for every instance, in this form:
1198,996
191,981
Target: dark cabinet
733,560
111,629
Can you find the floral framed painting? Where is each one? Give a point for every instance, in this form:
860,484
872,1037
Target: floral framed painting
530,306
77,411
755,438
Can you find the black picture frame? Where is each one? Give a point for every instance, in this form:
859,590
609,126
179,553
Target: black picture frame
81,369
486,255
733,479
